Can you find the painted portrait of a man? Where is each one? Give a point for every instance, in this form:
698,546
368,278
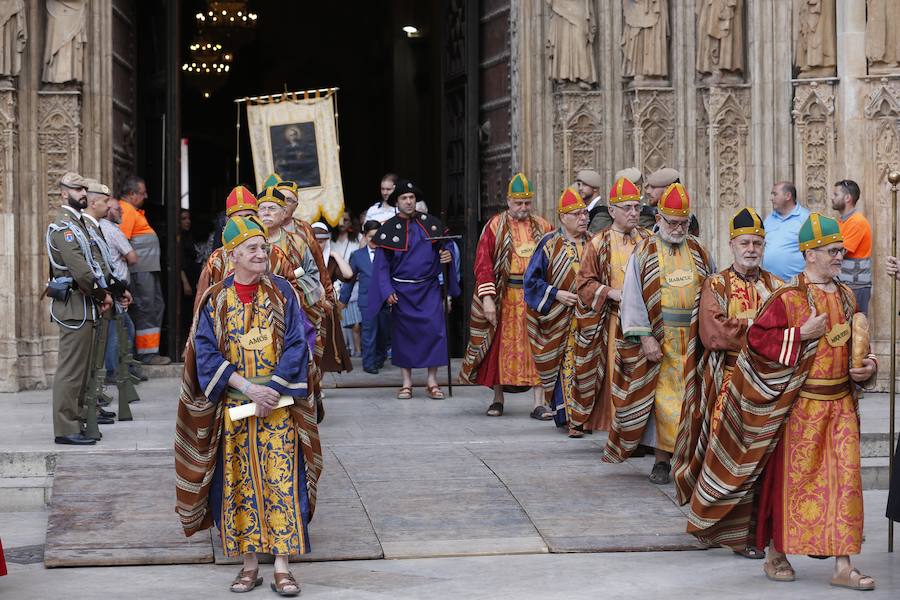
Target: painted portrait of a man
294,153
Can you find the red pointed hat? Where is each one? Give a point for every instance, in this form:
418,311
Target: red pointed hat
240,198
570,201
675,202
624,191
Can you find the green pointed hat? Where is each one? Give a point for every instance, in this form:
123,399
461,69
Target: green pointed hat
818,231
240,229
271,180
519,187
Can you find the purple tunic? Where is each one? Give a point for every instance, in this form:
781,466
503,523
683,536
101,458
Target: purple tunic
418,337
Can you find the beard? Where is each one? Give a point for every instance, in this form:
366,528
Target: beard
77,203
672,238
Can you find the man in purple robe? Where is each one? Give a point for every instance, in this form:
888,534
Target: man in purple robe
408,262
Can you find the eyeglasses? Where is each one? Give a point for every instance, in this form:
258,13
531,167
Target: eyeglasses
634,208
675,224
581,214
832,252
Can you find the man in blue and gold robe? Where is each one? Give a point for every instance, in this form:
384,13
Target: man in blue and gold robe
254,477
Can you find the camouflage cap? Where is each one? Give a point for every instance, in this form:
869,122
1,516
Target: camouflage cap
72,180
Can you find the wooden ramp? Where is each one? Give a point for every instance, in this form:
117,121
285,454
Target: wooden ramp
118,508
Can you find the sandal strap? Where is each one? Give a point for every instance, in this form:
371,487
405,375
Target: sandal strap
285,579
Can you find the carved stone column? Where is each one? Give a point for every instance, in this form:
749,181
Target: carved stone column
727,150
815,152
9,150
881,155
58,150
577,134
650,124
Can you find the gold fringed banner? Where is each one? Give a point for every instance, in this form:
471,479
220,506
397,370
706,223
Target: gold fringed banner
296,137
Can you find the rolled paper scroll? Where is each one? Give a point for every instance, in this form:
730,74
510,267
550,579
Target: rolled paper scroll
859,345
248,410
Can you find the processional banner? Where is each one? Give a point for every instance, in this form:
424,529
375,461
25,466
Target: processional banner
296,138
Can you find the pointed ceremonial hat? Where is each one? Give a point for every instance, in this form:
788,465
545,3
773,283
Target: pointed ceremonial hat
272,179
569,201
240,229
240,198
746,221
519,187
273,194
624,190
818,231
675,202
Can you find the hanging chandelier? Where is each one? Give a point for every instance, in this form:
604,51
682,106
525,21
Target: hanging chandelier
207,66
229,19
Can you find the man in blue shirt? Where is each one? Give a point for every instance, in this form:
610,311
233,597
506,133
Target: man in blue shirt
375,332
783,257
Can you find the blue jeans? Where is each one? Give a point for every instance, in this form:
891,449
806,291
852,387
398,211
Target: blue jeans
375,338
111,359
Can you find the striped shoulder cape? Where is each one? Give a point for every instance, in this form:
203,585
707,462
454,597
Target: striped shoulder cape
198,427
481,332
635,377
757,402
592,333
696,412
548,334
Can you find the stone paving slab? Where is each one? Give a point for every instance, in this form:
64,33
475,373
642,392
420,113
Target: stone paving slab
118,508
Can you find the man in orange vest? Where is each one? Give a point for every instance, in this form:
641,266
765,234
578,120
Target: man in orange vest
856,270
149,306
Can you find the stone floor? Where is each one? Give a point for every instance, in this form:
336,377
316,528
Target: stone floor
391,449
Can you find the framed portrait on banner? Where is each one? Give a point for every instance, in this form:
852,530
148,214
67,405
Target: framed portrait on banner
296,137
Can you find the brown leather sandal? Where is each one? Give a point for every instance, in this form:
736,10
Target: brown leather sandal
852,579
779,569
285,584
246,581
434,392
405,393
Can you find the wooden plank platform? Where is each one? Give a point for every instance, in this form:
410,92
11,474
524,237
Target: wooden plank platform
118,508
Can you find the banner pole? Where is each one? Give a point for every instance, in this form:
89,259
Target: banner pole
237,147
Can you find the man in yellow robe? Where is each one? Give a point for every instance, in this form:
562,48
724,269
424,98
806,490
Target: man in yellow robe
660,352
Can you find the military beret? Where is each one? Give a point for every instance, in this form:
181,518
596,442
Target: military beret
590,177
72,180
631,174
663,177
95,187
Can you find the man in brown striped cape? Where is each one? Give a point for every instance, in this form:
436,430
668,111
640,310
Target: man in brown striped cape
550,296
254,477
656,362
599,282
729,301
498,354
782,466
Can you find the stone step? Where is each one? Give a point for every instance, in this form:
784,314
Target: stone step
873,445
22,494
875,473
27,463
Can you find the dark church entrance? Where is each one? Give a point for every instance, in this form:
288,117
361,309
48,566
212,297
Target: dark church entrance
408,102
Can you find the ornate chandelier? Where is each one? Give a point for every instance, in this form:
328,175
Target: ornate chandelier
207,66
229,19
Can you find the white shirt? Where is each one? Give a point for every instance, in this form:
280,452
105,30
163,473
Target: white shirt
593,203
381,212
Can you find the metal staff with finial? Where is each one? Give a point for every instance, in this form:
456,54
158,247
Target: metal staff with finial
894,179
445,269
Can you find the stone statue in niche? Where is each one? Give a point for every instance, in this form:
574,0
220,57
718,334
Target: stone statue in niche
882,36
65,41
645,42
815,38
720,40
570,45
12,36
